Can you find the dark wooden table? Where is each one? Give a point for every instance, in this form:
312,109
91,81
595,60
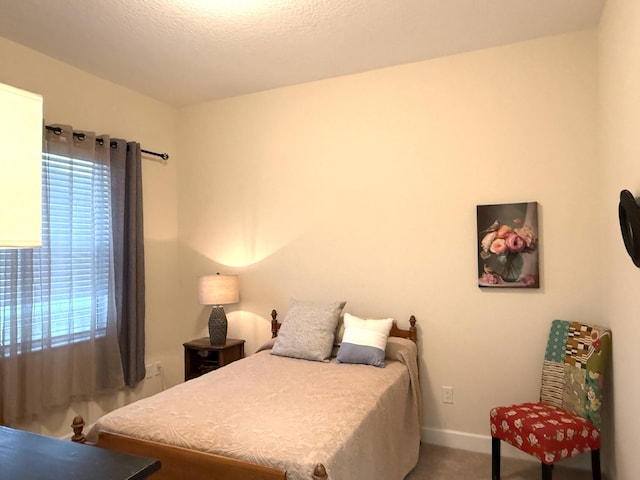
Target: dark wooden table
27,456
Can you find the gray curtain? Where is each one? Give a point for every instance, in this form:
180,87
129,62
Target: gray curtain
49,355
126,196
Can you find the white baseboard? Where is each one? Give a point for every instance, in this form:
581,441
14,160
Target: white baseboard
482,444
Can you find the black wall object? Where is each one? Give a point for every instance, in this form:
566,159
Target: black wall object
629,215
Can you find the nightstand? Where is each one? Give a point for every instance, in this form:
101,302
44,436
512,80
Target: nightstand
202,357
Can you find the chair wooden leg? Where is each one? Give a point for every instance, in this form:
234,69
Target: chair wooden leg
495,458
547,471
595,465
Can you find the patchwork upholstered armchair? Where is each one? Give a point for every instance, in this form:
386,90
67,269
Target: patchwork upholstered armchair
566,420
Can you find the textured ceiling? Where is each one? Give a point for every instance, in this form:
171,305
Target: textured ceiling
188,51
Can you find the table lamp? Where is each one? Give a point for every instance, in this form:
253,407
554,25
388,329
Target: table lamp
218,290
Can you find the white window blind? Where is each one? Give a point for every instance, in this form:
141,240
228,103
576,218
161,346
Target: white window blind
59,294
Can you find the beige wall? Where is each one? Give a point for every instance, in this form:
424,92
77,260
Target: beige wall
619,43
363,188
90,103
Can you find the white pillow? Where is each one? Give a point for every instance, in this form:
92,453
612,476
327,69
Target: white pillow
364,340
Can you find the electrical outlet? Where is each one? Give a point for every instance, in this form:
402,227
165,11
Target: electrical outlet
153,370
447,395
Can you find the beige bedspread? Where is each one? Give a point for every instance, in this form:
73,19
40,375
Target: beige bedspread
359,421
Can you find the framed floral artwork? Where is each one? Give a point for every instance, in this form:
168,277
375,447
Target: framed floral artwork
508,245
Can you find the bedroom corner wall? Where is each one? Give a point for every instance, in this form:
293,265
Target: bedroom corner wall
84,101
363,188
619,113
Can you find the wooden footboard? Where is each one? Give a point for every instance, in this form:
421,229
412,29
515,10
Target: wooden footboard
179,463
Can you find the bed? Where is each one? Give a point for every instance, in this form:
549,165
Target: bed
269,417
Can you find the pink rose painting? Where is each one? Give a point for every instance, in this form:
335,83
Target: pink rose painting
508,245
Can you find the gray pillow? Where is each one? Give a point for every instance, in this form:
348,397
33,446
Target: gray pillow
308,330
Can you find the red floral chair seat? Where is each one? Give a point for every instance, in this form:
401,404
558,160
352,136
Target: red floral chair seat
566,420
546,432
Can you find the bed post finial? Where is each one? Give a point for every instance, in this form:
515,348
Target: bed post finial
413,329
274,324
320,473
78,425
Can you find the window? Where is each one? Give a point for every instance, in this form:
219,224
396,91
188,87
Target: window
59,294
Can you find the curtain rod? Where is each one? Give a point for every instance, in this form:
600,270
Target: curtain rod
81,136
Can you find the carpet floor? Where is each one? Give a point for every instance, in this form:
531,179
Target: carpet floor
442,463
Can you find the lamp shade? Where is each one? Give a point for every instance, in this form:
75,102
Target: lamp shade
219,289
20,168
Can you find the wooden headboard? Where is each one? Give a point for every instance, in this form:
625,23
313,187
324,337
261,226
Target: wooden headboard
411,334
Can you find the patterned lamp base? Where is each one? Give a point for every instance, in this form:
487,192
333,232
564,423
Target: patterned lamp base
218,326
